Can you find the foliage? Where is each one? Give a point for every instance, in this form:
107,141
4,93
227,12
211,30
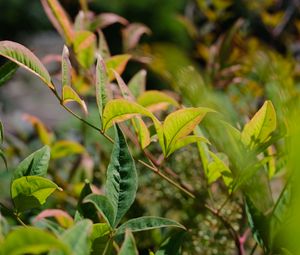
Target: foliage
215,146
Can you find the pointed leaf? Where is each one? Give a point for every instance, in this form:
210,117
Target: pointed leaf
261,126
85,48
66,68
7,70
121,184
69,95
152,98
137,84
31,191
1,133
59,19
117,63
104,206
101,85
63,148
180,123
184,141
128,247
25,58
126,93
103,46
147,223
31,240
35,164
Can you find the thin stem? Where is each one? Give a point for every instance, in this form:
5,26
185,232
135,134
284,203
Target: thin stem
20,221
156,170
153,167
81,119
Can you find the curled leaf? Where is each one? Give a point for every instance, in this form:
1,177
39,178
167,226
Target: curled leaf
69,95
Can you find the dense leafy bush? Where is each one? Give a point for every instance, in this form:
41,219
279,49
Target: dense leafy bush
222,147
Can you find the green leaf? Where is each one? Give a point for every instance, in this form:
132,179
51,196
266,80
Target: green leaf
63,148
66,68
121,183
218,168
180,123
85,48
31,191
77,238
100,239
172,244
7,70
260,127
137,84
35,164
147,223
59,19
31,240
117,63
118,110
101,85
69,95
184,141
25,58
104,206
128,247
154,99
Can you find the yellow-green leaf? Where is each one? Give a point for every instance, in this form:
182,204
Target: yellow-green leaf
218,168
59,19
85,48
31,240
142,131
118,110
65,148
117,63
30,192
184,141
154,99
69,95
25,58
180,123
259,129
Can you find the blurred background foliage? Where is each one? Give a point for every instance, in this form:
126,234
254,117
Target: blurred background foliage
229,55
